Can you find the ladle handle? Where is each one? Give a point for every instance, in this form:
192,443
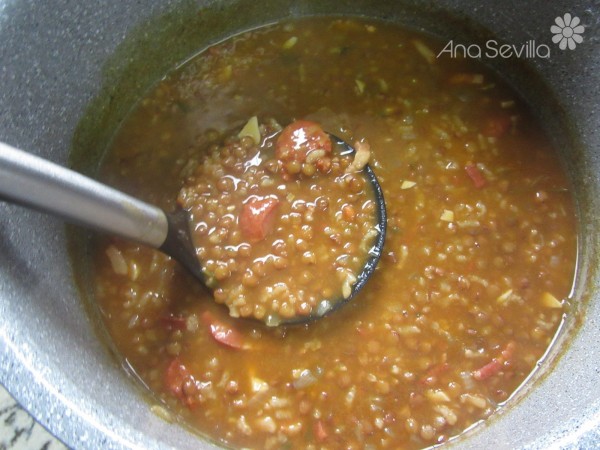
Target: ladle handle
43,185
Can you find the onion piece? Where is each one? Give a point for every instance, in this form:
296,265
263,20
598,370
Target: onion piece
305,379
361,157
251,130
117,260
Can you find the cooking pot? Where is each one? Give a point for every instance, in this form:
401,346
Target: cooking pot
69,71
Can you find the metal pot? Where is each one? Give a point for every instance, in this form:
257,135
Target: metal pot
64,61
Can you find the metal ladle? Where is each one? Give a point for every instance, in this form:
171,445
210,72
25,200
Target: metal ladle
36,183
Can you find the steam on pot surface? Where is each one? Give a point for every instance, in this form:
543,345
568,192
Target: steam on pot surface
476,272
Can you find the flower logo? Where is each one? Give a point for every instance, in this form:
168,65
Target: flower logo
567,32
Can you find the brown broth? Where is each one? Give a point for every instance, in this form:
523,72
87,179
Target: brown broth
478,263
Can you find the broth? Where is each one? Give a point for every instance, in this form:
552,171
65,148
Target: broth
476,271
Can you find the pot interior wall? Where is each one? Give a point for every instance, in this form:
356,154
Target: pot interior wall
62,64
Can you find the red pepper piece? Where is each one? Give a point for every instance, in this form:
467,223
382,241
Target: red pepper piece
475,175
258,217
497,126
222,333
320,431
300,138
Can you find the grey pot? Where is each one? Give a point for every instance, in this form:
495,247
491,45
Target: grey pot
62,61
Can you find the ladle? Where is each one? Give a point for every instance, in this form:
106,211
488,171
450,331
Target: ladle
34,182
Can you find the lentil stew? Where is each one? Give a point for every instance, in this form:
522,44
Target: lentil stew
476,271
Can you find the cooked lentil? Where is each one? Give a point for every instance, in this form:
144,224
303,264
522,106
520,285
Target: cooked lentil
479,257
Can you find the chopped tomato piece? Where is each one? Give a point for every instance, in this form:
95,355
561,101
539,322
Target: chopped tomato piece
175,377
299,139
497,126
508,351
173,322
222,333
258,217
320,431
490,369
476,175
493,367
323,164
434,372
